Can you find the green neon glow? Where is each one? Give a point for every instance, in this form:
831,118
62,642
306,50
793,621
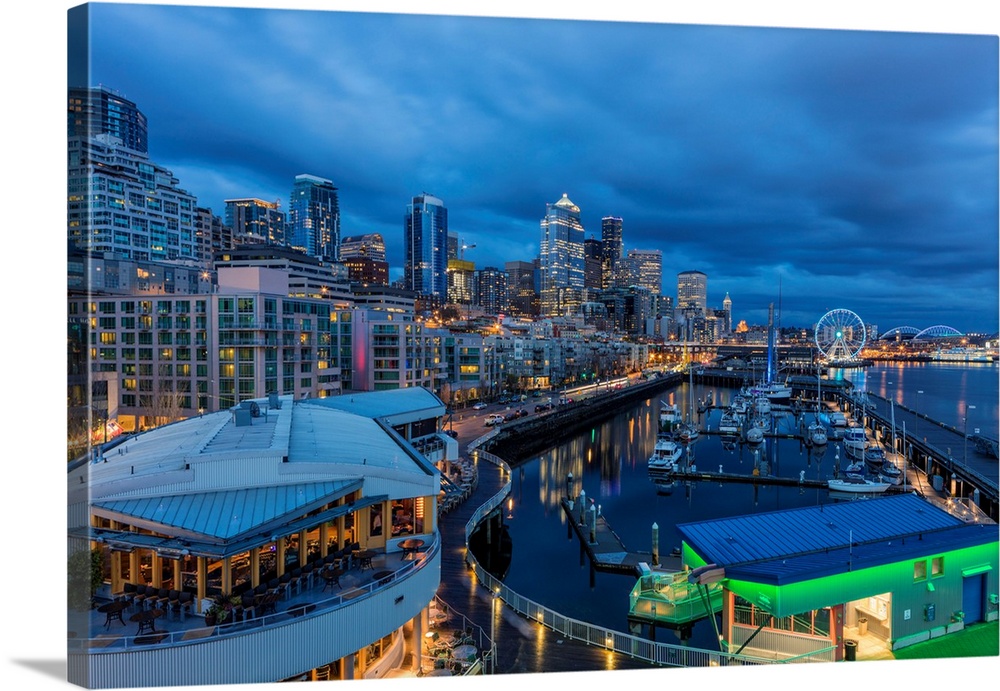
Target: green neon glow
828,591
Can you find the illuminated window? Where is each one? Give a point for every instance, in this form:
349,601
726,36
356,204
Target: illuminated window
937,566
920,570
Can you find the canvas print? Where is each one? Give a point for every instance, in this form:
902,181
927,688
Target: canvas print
407,346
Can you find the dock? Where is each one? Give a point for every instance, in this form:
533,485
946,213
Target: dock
606,553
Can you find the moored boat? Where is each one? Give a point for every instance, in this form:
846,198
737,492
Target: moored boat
855,485
838,419
817,434
855,441
666,453
670,416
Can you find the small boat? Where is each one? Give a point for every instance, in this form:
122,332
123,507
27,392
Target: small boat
854,485
730,423
817,434
855,470
761,405
670,416
666,453
775,393
739,404
855,439
888,472
875,457
687,433
755,433
838,419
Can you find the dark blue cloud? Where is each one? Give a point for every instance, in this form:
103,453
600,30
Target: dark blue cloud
860,167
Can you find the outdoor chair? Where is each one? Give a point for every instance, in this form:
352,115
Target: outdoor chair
142,593
184,602
127,593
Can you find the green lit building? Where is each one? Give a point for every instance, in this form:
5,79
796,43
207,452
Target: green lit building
811,582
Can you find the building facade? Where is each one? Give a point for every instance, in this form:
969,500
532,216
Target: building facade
425,240
647,269
692,291
613,252
99,110
254,221
561,258
120,201
314,217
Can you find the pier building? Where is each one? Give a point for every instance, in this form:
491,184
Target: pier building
313,521
812,581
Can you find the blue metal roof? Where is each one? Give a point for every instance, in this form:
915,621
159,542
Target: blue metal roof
380,404
226,515
794,544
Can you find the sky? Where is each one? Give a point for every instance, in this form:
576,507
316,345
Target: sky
857,169
941,284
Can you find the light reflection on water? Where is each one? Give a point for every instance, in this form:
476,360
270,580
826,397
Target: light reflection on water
609,463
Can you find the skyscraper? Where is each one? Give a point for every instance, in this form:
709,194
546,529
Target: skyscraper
647,269
727,309
491,290
100,110
314,217
692,290
593,258
613,252
561,258
255,221
118,200
425,240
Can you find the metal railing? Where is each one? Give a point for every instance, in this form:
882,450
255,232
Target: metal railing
598,636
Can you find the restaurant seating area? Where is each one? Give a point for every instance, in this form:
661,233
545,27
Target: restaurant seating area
459,480
452,645
325,582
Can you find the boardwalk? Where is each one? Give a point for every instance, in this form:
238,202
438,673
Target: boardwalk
522,646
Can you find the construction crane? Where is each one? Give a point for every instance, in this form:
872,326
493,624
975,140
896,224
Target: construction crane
462,248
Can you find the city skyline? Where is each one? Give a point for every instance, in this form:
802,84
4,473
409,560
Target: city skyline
858,168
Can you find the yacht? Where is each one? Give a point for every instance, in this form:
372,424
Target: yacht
856,485
670,416
855,441
666,453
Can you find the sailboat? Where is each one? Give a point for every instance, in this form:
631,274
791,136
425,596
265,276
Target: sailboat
816,431
688,432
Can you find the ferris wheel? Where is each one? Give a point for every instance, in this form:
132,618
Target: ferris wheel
840,335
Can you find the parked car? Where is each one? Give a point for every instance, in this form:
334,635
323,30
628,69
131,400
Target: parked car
493,419
479,406
451,433
542,407
521,412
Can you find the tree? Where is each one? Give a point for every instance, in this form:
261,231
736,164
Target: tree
85,575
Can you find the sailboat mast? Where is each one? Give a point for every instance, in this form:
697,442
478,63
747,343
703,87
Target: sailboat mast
770,344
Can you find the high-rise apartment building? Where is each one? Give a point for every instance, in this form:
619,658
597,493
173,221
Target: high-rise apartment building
593,259
120,201
425,240
255,221
461,275
176,355
314,217
491,290
369,245
521,291
647,269
100,110
613,250
692,290
561,258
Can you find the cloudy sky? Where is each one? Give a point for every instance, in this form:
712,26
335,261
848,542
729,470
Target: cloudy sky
859,168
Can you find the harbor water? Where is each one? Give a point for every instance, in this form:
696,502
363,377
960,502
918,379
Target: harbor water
609,463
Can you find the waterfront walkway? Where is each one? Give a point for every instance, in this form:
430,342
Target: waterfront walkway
522,646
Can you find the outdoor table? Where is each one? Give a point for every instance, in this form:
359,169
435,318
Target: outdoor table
113,610
464,653
332,577
410,547
381,576
146,619
364,558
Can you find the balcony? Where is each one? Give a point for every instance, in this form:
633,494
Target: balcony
285,642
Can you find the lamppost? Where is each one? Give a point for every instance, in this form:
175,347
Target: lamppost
493,626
